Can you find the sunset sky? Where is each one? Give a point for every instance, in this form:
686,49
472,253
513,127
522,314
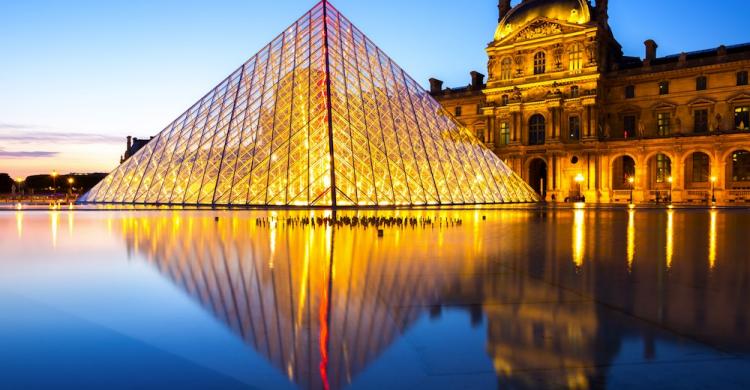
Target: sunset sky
78,76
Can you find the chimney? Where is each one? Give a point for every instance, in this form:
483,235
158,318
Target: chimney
130,142
650,50
602,11
504,7
436,87
477,80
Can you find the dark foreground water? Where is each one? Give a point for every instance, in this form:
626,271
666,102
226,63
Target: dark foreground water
505,299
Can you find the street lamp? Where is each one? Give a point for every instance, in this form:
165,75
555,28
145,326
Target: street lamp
70,185
54,182
713,189
579,179
631,180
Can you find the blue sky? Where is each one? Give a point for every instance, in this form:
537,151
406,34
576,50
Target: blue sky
77,76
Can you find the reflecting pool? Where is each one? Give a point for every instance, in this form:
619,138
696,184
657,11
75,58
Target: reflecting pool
569,298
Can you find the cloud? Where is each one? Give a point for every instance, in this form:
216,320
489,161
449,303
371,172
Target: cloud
26,154
28,134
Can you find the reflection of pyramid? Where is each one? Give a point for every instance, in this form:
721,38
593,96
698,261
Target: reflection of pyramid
320,117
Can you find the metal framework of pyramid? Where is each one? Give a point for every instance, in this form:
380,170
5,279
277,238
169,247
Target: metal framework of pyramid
319,117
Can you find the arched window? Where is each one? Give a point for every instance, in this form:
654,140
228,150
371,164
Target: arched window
701,168
663,168
540,63
741,166
536,130
575,57
506,69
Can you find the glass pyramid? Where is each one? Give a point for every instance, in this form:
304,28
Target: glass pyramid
319,117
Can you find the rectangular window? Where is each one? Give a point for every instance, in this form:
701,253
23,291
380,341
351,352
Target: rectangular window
458,111
663,120
479,109
701,83
701,121
574,91
504,133
630,92
664,88
505,100
742,118
574,127
742,78
628,126
480,135
701,168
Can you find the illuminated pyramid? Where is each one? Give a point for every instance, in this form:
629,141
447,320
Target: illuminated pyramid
320,117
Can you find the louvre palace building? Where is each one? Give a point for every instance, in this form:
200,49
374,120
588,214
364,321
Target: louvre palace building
576,118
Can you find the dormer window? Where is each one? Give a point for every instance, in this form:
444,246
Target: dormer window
458,110
540,63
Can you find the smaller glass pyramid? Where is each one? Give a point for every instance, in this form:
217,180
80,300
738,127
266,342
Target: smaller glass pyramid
319,117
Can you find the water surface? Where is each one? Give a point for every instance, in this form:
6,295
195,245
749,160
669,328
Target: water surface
460,299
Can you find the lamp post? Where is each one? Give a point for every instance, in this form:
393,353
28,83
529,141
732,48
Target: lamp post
579,179
54,182
670,180
70,185
631,180
713,189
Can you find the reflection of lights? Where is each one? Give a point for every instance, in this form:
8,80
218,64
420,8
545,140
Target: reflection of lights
70,224
578,236
670,237
19,223
53,222
631,239
712,241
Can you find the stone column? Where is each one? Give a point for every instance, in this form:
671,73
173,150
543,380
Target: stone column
678,179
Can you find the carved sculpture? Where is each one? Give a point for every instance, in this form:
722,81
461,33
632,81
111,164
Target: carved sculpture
539,29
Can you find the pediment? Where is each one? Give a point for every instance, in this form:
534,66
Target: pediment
538,28
663,106
701,101
741,97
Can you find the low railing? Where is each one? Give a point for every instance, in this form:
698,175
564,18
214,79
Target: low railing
621,195
738,195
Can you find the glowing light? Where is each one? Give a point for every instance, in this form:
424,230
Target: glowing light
670,238
579,178
631,239
631,179
712,241
579,236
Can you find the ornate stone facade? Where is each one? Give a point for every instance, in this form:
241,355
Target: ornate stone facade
576,118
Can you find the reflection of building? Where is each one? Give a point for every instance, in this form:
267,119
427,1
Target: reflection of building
547,305
562,100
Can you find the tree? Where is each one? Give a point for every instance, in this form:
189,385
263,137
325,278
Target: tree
6,183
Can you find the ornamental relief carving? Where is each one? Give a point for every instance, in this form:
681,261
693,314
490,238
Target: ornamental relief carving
539,29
